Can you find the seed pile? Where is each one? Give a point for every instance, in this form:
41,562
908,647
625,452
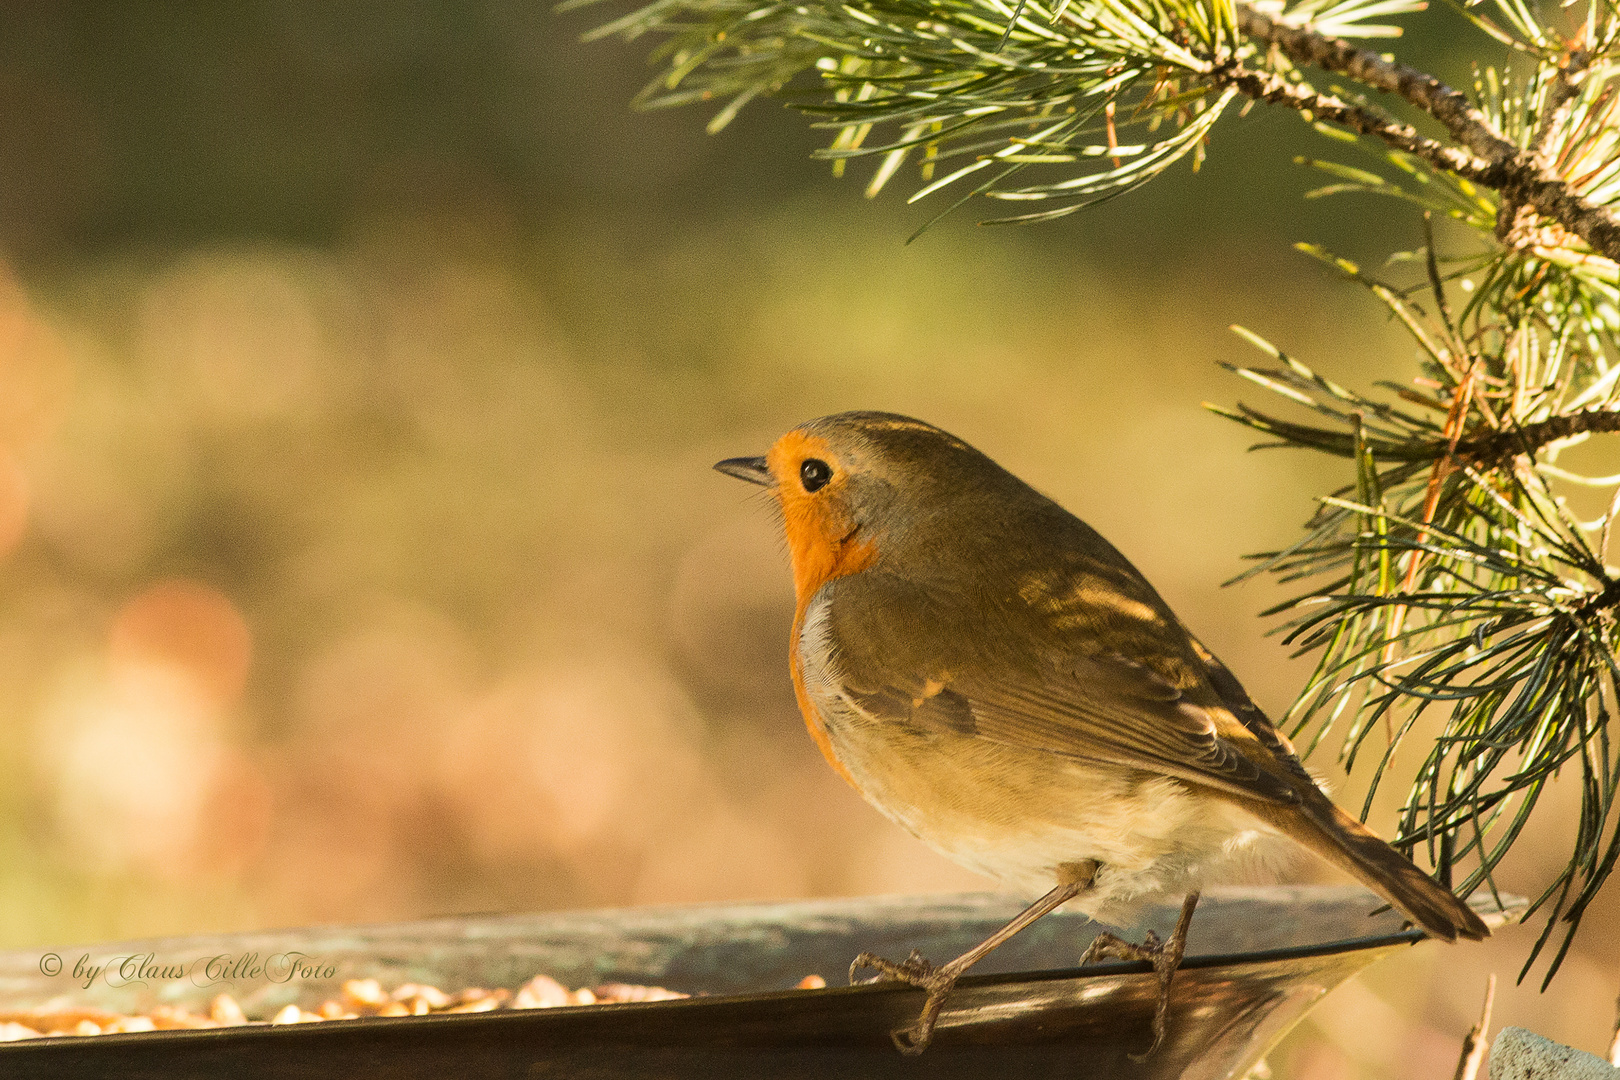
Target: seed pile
359,997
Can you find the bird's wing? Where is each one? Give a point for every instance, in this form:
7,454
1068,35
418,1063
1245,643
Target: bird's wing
1238,702
1102,709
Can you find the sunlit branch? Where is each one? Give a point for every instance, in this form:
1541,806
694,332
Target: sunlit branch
1492,160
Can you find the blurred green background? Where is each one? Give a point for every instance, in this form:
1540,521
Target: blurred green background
361,368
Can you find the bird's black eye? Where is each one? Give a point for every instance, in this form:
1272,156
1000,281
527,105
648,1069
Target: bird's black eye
814,474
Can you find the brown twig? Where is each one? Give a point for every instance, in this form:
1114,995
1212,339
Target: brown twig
1467,124
1275,90
1522,175
1461,398
1492,448
1474,1043
1495,446
1614,1045
1113,135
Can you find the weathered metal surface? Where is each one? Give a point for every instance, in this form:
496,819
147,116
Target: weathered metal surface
1258,959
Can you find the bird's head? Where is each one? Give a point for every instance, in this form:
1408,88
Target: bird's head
858,486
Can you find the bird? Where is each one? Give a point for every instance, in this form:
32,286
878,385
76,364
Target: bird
998,679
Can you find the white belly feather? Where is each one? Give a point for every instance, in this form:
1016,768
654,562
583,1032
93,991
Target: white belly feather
1019,814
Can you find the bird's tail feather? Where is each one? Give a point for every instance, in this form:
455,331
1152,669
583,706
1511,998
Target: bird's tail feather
1351,846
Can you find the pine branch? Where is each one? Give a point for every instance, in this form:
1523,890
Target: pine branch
1033,86
1520,174
1450,579
1305,46
1490,448
1275,90
1494,447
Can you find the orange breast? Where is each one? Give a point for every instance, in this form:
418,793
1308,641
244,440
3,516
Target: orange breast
812,719
855,558
823,543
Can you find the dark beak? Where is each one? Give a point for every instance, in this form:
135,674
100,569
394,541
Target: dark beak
751,469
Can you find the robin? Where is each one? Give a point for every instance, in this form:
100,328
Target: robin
996,678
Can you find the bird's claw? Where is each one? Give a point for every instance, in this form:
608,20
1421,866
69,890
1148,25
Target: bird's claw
916,971
913,1040
1108,947
1165,958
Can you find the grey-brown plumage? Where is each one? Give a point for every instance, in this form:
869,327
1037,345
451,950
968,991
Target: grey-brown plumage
995,677
1042,636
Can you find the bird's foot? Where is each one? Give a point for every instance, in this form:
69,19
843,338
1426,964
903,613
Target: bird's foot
1165,956
914,970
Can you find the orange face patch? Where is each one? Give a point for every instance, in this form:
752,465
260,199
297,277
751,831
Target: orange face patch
821,534
822,542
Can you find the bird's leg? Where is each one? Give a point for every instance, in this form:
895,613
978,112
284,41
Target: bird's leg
1164,956
918,972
